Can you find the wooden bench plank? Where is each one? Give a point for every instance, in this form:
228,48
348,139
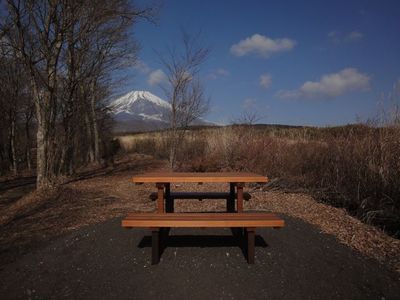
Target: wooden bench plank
219,177
200,215
157,221
203,223
203,220
200,195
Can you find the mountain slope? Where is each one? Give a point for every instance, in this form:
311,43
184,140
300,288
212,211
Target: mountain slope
142,111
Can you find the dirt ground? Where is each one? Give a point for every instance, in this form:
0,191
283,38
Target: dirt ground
58,228
104,261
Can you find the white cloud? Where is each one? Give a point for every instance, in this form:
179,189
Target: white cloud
334,36
330,85
219,73
265,80
249,103
354,36
262,46
222,72
142,67
157,77
339,37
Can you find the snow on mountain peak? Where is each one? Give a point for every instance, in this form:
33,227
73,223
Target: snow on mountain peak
141,110
125,103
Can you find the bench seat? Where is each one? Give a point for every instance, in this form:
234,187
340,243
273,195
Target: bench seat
202,220
157,221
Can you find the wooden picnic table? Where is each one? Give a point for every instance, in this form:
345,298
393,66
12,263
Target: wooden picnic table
242,224
163,180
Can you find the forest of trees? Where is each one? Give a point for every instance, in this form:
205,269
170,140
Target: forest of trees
57,59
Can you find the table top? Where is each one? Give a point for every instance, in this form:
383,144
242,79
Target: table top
182,177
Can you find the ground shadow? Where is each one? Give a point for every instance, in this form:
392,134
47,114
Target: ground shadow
115,168
203,241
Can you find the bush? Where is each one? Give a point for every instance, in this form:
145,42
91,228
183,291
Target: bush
356,167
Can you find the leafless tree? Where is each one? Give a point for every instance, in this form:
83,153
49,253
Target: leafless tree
94,50
13,99
68,51
247,118
184,89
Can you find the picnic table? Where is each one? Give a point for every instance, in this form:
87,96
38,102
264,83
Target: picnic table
243,224
165,197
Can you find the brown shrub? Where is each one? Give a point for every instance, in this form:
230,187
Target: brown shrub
356,167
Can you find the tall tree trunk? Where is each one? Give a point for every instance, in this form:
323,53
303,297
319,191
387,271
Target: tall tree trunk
172,134
96,137
172,148
28,145
2,160
91,156
42,180
12,147
44,141
171,157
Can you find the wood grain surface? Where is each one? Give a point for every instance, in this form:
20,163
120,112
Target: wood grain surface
203,220
219,177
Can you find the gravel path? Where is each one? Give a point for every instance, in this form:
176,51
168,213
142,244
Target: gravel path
105,261
69,243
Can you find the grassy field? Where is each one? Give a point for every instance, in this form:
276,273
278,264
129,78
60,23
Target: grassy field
356,167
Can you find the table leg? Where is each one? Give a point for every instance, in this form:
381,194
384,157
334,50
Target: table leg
250,244
230,202
239,188
155,246
160,198
169,202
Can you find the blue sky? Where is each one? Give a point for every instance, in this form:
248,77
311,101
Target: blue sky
293,62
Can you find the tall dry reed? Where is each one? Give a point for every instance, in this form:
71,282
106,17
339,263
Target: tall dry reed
356,167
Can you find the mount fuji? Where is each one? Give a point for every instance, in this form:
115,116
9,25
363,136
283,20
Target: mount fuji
142,111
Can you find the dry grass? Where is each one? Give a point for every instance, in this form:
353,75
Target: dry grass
145,143
354,167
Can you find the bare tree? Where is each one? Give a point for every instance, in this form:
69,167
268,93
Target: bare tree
37,32
68,49
247,118
12,98
97,45
184,90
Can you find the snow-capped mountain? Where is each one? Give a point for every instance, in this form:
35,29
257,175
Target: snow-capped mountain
141,111
141,104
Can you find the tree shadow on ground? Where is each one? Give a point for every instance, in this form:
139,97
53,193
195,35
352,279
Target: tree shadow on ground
118,167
